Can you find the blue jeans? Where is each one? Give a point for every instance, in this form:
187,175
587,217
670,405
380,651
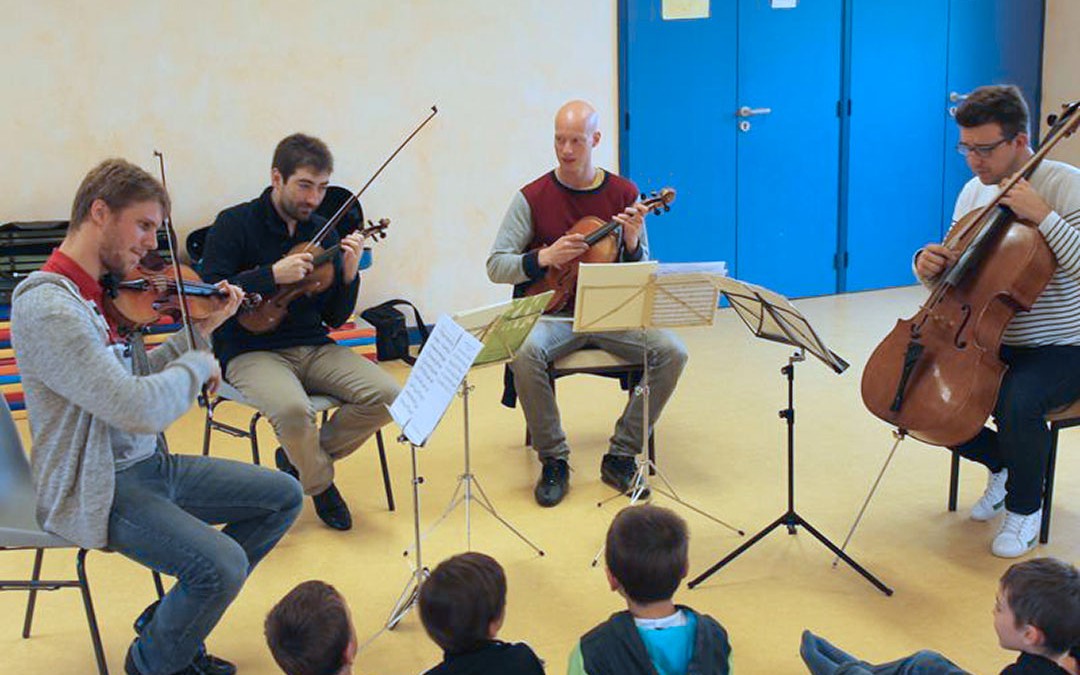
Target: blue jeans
823,658
1039,380
163,511
551,339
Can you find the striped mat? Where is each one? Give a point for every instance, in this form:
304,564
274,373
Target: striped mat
360,339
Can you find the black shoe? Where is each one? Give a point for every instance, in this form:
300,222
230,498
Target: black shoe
144,617
129,665
203,664
332,508
283,463
618,471
208,664
554,482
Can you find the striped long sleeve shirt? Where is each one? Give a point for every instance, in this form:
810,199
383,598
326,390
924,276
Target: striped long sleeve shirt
1054,319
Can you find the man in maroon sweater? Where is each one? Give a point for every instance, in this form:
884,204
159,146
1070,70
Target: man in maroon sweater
533,237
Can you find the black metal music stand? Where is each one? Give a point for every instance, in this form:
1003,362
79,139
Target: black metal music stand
770,316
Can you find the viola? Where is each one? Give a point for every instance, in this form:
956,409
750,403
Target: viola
150,292
603,241
936,375
266,314
269,313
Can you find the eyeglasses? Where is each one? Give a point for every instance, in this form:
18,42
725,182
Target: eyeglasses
980,150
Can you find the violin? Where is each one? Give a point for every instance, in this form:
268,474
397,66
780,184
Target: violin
936,375
264,315
268,314
603,241
150,292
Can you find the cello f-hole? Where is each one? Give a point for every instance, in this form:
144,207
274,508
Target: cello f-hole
957,340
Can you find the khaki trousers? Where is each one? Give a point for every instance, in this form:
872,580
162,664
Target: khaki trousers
278,383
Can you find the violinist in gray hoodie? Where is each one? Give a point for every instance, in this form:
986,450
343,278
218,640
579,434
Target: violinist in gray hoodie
97,406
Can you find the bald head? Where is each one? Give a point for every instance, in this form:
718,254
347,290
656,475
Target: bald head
576,134
578,114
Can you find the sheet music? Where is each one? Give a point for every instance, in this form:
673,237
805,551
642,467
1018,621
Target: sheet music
612,296
503,327
684,300
434,379
716,268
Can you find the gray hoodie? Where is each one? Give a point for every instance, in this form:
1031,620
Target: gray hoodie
77,390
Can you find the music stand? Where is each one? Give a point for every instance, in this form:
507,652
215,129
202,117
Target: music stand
639,296
432,383
771,316
502,329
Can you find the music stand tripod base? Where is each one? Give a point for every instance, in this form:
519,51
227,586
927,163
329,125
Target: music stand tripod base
791,518
645,466
464,493
410,595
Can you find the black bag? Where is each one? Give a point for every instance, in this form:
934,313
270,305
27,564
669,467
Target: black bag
391,331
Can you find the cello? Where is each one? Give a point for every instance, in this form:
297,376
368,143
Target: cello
936,375
603,241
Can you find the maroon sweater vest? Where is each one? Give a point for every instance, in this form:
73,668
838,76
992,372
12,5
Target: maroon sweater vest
555,208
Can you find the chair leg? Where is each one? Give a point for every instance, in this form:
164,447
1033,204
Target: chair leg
385,471
652,452
1048,488
91,618
35,575
954,479
254,437
208,428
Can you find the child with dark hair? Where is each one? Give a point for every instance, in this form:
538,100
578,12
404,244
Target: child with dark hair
647,557
310,631
1036,612
462,607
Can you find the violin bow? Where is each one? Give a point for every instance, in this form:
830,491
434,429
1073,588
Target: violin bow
170,232
344,208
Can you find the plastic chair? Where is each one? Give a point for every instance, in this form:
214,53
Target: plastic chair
322,404
19,531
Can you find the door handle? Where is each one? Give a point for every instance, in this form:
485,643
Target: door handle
747,111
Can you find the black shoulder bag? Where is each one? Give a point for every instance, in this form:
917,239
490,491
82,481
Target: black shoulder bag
391,331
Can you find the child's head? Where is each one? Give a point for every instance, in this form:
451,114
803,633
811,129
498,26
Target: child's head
1038,607
463,602
310,631
647,553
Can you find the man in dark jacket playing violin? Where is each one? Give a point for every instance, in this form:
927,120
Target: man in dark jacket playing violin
1040,346
532,239
248,245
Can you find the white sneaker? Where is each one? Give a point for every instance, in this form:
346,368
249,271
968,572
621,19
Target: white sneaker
1018,535
993,500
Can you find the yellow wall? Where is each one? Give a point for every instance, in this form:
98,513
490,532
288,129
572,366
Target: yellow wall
1061,60
215,85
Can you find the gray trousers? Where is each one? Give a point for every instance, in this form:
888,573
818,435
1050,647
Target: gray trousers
551,339
278,382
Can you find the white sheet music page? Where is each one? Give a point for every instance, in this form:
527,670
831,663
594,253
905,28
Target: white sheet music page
446,358
686,294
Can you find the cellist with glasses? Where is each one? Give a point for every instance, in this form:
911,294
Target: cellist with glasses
1042,346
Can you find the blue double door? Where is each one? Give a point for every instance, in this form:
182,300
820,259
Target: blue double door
811,146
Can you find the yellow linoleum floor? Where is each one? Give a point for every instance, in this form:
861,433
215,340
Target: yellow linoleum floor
721,444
